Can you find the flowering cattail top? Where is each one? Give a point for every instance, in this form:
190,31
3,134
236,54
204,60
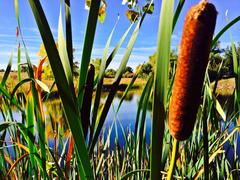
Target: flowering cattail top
191,66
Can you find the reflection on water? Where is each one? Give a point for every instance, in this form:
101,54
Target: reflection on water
55,119
56,124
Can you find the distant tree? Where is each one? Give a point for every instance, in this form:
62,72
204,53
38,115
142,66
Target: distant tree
222,56
110,73
128,69
147,68
214,65
227,69
24,68
128,72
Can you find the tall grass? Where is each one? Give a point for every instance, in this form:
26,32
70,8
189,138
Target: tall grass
52,144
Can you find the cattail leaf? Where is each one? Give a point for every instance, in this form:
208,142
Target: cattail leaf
215,153
62,49
216,103
101,159
8,70
115,50
17,15
142,124
19,62
131,173
223,30
15,163
12,99
160,87
4,126
69,42
140,107
177,13
87,48
127,90
103,113
100,83
87,100
236,64
105,53
30,126
19,84
42,85
220,109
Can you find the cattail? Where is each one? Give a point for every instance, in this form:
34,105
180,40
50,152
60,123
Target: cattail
87,100
192,63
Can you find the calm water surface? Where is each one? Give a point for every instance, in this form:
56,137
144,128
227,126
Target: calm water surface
126,116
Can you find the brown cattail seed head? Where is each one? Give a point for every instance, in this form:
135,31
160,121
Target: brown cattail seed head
193,57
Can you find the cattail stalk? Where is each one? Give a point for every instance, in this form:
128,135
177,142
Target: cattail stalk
192,63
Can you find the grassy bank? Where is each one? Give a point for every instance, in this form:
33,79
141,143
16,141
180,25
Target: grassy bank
225,87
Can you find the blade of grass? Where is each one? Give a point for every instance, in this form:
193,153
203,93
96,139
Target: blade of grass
105,52
22,82
140,107
59,170
35,97
142,124
235,70
69,43
128,89
101,159
131,173
87,48
13,100
100,83
99,80
19,62
30,126
62,49
15,164
116,82
216,152
8,70
87,100
204,119
223,30
177,13
160,87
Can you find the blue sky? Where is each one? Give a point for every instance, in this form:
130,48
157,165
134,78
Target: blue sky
145,44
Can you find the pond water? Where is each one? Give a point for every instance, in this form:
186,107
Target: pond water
126,116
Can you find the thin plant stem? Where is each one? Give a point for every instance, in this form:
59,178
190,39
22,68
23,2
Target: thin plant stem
173,159
205,144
